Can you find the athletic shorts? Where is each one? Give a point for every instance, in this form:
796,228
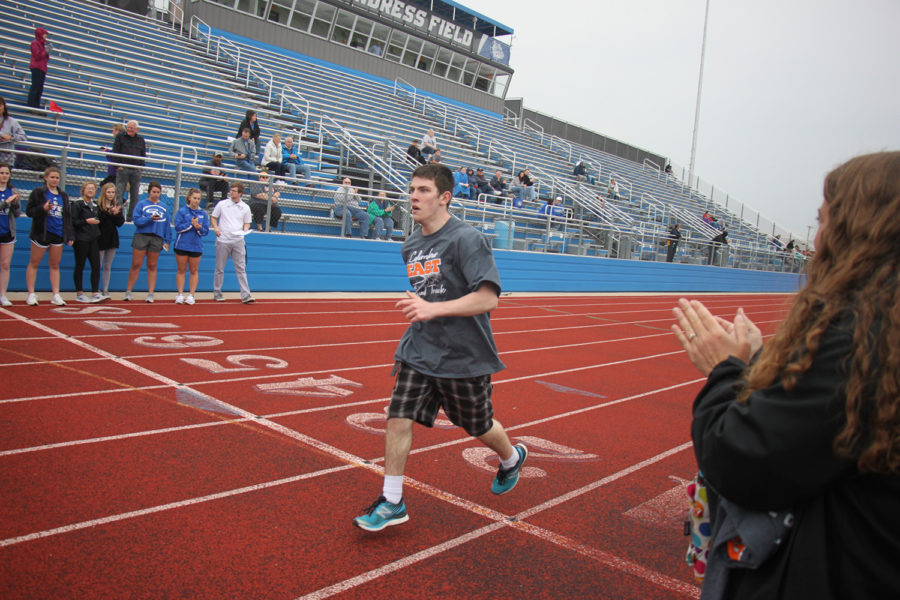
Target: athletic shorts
49,239
147,241
187,253
466,401
7,238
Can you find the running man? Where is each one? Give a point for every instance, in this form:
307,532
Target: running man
447,355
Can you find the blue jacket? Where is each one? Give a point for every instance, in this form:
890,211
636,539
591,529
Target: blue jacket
144,222
188,238
459,179
286,156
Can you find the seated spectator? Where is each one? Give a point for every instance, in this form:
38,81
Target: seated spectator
789,247
291,160
461,183
669,169
250,121
272,156
259,202
244,151
526,185
481,183
436,157
497,184
111,170
581,173
429,145
553,208
346,207
710,219
380,217
612,189
415,154
10,133
213,180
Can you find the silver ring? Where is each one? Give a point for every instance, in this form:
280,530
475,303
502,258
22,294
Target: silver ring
692,336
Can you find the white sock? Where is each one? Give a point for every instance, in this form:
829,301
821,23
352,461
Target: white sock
509,463
393,488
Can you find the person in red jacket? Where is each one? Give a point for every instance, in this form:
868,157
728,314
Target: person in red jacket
40,56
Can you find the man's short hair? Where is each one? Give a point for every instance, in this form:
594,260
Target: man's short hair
441,176
247,129
238,185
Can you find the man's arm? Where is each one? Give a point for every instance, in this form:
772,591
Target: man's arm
482,300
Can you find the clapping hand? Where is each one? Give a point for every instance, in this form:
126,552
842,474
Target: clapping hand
708,340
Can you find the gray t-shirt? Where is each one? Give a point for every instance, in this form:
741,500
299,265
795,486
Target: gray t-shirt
446,265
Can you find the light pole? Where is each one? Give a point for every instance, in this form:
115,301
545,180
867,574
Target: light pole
699,93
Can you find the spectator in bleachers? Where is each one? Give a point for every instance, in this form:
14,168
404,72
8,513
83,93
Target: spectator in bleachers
111,218
213,181
461,183
669,169
272,156
482,186
789,248
191,226
415,154
436,157
231,218
375,48
10,209
259,202
711,220
131,144
553,208
346,208
672,242
498,185
51,228
244,151
776,243
250,122
526,185
40,57
152,235
86,225
719,240
429,145
612,189
111,169
380,217
581,173
291,160
10,133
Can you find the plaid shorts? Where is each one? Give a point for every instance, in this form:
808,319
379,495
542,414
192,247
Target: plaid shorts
466,401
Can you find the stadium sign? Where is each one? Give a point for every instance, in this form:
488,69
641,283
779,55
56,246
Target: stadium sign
421,19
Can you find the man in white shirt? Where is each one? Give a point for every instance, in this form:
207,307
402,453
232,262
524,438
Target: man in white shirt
231,218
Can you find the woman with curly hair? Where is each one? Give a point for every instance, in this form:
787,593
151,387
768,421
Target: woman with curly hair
800,438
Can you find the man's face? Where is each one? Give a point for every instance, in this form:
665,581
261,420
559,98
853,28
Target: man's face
425,201
235,194
245,134
346,181
288,143
217,160
131,129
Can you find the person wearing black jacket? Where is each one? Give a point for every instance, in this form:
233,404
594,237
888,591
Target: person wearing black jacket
86,223
250,122
807,425
672,242
131,144
111,218
719,240
51,228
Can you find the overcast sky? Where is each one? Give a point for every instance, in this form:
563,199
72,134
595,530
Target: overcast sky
790,88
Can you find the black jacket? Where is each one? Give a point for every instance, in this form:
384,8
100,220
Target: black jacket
109,229
126,144
35,210
82,211
775,452
254,130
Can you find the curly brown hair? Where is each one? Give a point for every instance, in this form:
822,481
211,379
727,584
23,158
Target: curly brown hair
855,272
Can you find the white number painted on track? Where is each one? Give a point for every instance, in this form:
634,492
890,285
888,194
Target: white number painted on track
240,360
309,386
664,509
120,325
177,341
537,448
91,310
377,422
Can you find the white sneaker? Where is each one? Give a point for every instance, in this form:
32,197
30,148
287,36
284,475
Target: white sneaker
179,299
105,295
57,300
98,297
82,297
32,300
189,299
4,301
128,297
149,299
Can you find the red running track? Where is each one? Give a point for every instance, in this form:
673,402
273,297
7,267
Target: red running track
222,450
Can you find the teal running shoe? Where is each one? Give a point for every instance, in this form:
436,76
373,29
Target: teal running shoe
507,479
382,514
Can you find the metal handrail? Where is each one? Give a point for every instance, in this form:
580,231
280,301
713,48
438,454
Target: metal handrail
349,141
510,154
561,142
533,126
468,127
